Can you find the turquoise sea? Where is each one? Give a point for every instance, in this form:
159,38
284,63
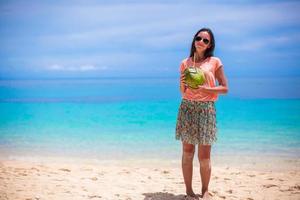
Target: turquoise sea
117,118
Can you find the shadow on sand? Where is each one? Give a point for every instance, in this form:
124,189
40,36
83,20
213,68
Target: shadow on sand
163,196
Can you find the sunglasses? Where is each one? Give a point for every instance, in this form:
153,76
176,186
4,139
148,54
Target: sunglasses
198,38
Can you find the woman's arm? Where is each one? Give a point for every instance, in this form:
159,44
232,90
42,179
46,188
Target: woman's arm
182,83
222,87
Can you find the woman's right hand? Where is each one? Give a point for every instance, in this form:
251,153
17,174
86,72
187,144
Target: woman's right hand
183,85
182,78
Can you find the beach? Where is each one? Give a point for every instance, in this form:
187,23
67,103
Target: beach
80,140
91,99
60,179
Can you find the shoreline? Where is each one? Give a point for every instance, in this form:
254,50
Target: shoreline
242,161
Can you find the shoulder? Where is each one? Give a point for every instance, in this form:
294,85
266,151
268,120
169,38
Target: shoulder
184,61
216,63
183,64
216,60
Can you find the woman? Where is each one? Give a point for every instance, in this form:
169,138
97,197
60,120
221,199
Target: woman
196,121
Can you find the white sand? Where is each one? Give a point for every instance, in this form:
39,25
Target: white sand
88,179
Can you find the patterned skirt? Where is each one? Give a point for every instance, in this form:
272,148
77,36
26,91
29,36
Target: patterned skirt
196,122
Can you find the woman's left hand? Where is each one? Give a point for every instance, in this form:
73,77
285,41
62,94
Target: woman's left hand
210,90
204,88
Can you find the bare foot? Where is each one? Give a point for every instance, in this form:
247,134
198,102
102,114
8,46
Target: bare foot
206,196
191,195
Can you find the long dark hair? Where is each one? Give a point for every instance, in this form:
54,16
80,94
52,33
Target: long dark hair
208,52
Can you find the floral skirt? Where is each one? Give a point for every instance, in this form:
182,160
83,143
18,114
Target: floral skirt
196,122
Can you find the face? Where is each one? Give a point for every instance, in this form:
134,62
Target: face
202,41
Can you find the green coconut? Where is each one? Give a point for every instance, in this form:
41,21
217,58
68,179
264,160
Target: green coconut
194,77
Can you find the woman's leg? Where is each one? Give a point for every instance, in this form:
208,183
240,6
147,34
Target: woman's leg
187,166
205,168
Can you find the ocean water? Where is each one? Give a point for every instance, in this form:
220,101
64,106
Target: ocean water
121,118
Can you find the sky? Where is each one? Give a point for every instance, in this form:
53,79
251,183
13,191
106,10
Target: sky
82,39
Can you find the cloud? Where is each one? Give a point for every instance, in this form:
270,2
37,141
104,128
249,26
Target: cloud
254,44
104,25
57,67
85,36
95,61
260,43
133,26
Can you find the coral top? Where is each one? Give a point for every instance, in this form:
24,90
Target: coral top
210,65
